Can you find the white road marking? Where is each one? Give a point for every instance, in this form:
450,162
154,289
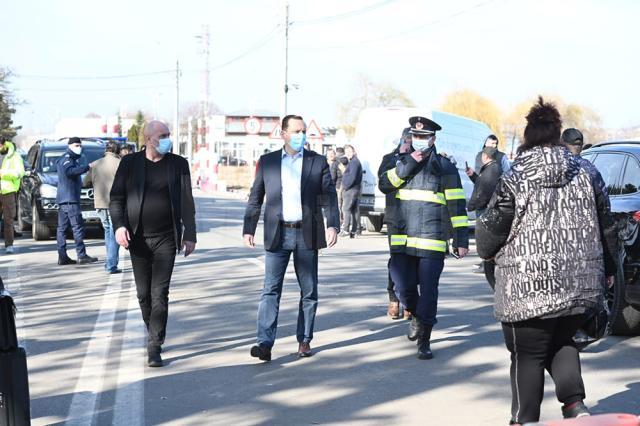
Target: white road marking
14,285
91,379
129,405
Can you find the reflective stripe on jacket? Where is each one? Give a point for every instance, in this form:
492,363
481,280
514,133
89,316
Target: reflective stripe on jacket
428,205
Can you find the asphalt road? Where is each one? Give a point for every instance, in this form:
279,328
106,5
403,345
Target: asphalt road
85,341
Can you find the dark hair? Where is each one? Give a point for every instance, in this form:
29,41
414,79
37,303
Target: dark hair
339,150
572,136
492,153
113,147
285,120
543,126
492,137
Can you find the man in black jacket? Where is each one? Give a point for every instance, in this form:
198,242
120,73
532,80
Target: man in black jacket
484,183
351,183
153,213
297,185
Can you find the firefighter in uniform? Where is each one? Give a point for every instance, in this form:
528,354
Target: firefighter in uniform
429,200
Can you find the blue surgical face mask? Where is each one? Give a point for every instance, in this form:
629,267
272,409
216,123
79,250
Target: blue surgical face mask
297,141
164,146
420,144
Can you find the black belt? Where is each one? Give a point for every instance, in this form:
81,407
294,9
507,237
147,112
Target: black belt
297,224
67,204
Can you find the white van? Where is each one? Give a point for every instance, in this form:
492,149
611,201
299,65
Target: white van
378,133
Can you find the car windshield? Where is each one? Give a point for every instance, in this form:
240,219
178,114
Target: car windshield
49,159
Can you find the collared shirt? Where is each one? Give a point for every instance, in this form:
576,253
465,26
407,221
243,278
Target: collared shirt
291,177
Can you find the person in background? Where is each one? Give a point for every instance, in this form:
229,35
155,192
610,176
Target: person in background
101,176
11,172
389,162
70,171
351,187
574,141
484,184
337,169
331,158
501,158
125,150
550,230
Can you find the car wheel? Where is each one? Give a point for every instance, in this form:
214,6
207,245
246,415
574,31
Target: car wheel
40,230
624,319
22,225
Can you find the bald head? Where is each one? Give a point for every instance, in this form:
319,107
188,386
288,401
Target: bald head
153,132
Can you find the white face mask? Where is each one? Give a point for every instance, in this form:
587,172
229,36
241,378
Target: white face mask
76,149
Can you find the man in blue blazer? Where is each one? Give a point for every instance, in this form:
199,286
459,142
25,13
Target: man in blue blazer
298,187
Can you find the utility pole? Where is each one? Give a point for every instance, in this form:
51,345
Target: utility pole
204,107
286,56
176,111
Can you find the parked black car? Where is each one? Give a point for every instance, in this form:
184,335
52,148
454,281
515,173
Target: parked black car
619,165
37,208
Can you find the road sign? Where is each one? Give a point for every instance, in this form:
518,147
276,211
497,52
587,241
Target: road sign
313,131
252,125
276,133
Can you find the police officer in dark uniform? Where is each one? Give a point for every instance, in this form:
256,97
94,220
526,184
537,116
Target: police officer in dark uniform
428,200
70,172
388,162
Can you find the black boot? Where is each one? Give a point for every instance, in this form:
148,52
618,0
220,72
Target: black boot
424,345
415,329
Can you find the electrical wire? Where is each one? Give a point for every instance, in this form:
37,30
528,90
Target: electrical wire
403,32
36,89
263,41
104,77
344,15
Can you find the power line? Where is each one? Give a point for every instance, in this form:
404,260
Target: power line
343,15
37,89
103,77
407,31
263,41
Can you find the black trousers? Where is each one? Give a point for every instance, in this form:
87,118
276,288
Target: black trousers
152,259
390,285
537,345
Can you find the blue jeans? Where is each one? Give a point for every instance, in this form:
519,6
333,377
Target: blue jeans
70,214
111,264
411,272
305,262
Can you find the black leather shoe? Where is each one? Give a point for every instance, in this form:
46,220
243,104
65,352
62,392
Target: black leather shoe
261,352
66,261
577,410
424,343
87,259
415,329
115,271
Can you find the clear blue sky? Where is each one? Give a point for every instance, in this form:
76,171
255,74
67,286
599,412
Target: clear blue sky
508,50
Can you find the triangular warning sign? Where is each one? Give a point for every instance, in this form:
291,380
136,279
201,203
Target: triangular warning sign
313,131
276,133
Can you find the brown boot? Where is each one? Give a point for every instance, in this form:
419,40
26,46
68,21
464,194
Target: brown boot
394,310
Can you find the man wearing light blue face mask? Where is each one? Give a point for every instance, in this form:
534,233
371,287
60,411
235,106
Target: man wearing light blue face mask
153,213
298,187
